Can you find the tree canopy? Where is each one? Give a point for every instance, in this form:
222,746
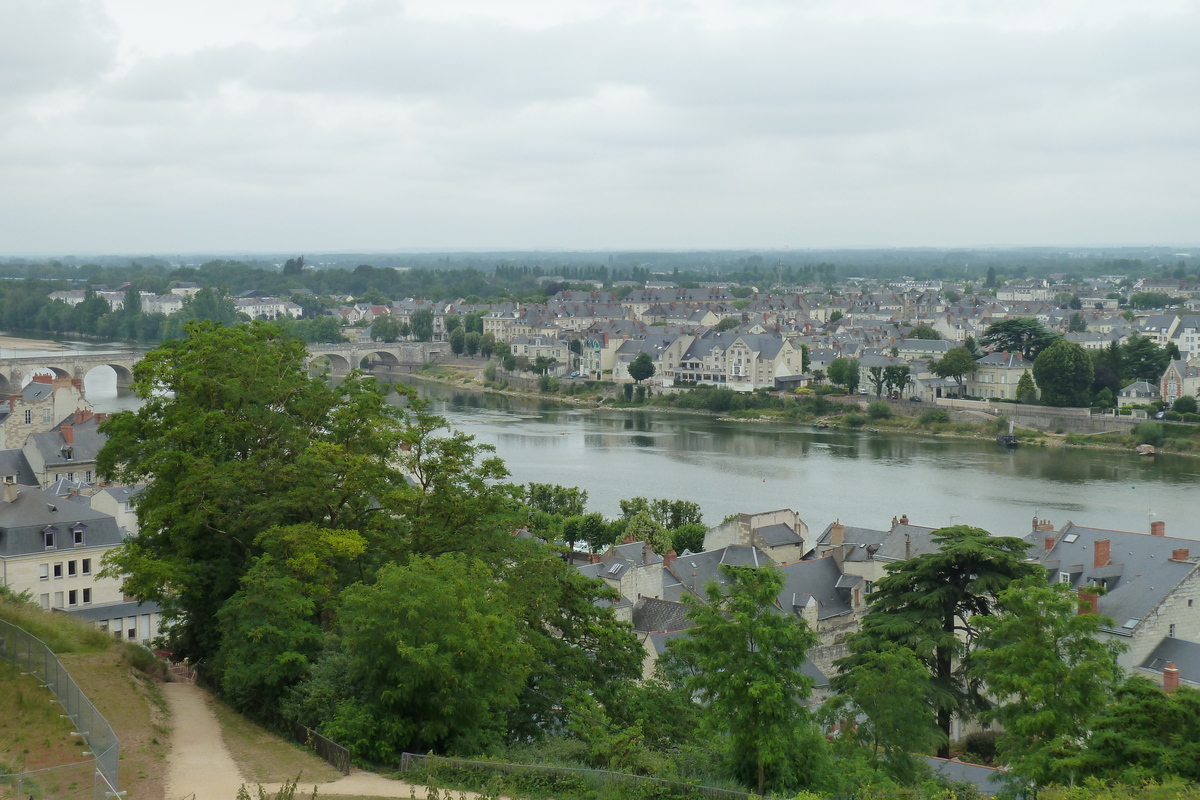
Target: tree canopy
1024,335
1064,373
956,363
642,367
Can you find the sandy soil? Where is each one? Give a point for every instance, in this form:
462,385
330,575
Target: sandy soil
12,342
367,784
199,766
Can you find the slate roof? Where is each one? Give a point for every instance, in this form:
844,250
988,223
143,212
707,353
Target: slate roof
1183,654
87,444
123,494
707,565
652,614
1139,575
816,581
114,610
22,522
893,547
778,535
659,642
13,462
861,538
988,780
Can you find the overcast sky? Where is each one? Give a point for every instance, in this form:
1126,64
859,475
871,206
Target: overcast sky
172,127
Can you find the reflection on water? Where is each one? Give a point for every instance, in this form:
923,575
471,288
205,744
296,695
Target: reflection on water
861,477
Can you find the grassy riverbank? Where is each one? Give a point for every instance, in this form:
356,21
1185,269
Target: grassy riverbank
829,410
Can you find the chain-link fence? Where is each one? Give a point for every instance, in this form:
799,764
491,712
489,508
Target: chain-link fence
33,657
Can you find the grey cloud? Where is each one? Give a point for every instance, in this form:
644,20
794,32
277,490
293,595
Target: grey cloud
48,44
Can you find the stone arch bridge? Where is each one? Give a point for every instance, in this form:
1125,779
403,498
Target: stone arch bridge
16,371
345,357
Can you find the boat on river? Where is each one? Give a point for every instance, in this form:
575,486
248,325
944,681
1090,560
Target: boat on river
1007,439
1145,449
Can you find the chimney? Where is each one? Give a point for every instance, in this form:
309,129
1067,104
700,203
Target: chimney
593,558
68,433
1158,528
82,415
629,540
669,559
11,492
1049,543
1102,553
907,546
693,580
837,533
1170,678
1181,554
1089,600
904,519
647,553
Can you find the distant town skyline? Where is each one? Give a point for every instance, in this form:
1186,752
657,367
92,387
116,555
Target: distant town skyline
249,126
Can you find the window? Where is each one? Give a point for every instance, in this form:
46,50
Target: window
1064,577
45,602
48,416
73,598
87,596
58,598
48,537
44,570
1171,630
133,633
78,534
71,569
28,417
58,570
87,476
86,566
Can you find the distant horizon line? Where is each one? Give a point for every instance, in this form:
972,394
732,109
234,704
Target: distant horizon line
590,250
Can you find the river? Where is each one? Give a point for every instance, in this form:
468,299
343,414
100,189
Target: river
862,478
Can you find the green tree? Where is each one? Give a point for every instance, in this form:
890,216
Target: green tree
421,323
643,528
923,331
1145,735
688,537
844,372
454,322
835,316
1149,300
1050,673
990,283
1026,389
642,367
234,437
956,363
1064,373
1077,323
385,328
487,345
728,324
458,340
889,693
564,501
437,658
1024,335
1184,405
929,603
1142,360
897,377
742,661
877,379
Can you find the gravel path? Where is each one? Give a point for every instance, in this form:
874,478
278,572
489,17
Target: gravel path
368,784
199,766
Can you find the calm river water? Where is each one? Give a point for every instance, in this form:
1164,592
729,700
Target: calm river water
862,478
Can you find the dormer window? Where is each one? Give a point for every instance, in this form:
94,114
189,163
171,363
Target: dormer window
48,538
79,535
68,452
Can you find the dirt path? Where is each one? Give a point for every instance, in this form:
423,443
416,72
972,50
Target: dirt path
367,784
199,766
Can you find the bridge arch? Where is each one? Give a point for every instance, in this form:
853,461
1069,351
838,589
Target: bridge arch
338,364
383,358
124,373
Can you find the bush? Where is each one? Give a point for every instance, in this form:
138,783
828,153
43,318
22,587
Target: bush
144,661
1184,405
1149,433
879,409
855,420
980,748
933,415
489,371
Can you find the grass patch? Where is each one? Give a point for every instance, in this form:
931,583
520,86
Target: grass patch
34,735
264,756
62,633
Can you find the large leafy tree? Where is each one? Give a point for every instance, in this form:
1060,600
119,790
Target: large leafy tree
421,323
956,363
1142,360
1050,674
1024,335
233,438
742,661
386,328
1064,373
1145,735
642,367
844,372
929,603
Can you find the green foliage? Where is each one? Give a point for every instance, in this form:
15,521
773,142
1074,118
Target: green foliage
1148,300
934,415
458,339
1050,673
1064,372
421,322
1141,359
233,438
566,501
844,372
1026,389
855,420
728,324
957,363
889,693
929,604
1184,405
385,327
642,367
742,663
923,331
1145,735
687,537
435,651
879,409
643,528
471,342
1024,335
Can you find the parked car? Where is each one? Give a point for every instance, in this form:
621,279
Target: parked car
914,399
